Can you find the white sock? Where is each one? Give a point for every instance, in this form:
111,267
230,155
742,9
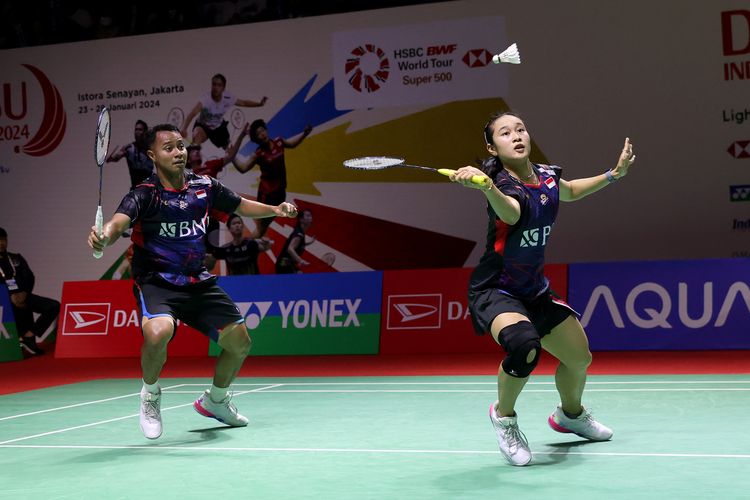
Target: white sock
218,394
152,388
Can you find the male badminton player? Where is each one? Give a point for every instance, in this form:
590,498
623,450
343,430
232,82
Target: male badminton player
168,213
509,296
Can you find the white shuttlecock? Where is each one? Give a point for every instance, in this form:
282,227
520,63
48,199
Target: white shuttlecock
509,55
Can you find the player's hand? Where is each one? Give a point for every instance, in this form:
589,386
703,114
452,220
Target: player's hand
245,130
286,209
19,299
263,100
308,129
303,263
627,158
464,175
96,241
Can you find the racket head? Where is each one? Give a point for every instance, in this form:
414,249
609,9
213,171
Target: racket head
329,258
103,133
373,162
237,118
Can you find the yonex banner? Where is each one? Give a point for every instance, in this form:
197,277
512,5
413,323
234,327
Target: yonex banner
9,348
327,313
100,319
432,63
675,305
425,311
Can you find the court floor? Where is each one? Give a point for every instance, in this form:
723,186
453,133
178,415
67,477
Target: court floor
377,437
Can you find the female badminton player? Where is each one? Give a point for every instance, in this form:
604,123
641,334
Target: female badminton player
510,298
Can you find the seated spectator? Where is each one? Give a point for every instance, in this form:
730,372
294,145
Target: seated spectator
18,277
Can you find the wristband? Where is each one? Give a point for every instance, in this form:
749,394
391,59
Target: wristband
610,178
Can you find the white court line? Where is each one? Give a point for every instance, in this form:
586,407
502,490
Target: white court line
589,382
368,450
115,419
82,404
465,391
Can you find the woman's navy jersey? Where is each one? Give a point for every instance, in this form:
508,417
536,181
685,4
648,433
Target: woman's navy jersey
169,227
513,261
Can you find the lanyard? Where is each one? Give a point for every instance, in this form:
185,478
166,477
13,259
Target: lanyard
10,261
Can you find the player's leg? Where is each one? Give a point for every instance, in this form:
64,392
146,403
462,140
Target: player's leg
214,313
199,134
511,331
568,343
48,311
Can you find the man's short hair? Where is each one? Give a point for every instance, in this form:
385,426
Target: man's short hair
164,127
220,77
3,233
254,129
231,218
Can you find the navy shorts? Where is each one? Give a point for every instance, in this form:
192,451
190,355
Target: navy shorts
219,136
205,307
545,312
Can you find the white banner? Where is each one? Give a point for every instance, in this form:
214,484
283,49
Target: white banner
419,63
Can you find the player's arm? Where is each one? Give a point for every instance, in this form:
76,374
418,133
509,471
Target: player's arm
507,208
291,144
189,118
117,154
235,147
579,188
245,167
112,230
290,250
256,210
247,103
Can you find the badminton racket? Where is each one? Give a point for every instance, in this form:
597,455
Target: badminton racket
382,162
101,146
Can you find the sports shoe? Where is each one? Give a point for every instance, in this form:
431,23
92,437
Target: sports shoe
28,344
513,444
583,425
150,417
223,411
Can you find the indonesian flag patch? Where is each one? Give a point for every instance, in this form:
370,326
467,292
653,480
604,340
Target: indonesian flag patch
201,193
550,182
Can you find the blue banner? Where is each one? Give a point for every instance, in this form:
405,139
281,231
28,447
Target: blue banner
9,347
670,305
326,313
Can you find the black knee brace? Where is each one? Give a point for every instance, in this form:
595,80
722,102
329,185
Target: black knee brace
519,340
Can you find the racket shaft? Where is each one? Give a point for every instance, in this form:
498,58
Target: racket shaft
99,223
479,180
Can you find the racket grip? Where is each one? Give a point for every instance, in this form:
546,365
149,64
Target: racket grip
479,180
99,223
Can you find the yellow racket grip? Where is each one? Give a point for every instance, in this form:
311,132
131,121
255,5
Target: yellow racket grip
480,180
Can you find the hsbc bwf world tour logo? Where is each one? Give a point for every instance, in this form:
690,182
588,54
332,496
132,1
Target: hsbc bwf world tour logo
33,139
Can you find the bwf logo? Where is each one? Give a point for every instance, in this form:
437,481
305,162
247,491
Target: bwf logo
86,319
530,237
367,68
415,312
183,229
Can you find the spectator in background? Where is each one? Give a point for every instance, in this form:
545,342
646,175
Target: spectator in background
269,156
210,111
18,277
241,254
290,258
140,165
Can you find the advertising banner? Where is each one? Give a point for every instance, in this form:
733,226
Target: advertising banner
674,305
100,319
422,63
9,348
425,311
334,313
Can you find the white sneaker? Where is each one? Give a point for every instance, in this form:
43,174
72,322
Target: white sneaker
150,417
512,442
223,411
583,425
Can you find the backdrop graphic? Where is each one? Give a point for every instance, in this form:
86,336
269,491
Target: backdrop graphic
672,76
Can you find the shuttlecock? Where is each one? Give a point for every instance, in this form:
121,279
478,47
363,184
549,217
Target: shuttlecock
509,55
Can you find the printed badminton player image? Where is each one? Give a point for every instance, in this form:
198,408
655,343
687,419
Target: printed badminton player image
510,297
168,214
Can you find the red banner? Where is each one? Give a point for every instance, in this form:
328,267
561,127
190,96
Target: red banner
100,319
425,311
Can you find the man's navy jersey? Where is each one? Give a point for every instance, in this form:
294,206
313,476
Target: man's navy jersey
169,227
513,261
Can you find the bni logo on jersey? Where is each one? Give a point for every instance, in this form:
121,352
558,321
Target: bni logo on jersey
86,319
415,312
